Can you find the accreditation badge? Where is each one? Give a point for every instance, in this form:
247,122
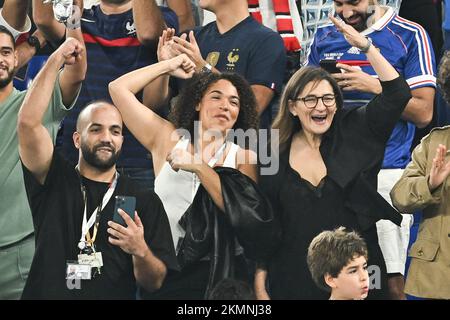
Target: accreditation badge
95,260
76,270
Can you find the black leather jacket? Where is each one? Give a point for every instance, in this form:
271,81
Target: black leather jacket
248,217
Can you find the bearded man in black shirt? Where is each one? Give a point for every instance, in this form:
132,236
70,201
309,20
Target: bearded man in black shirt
80,252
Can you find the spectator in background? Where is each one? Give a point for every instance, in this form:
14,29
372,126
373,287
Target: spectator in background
283,17
337,261
424,186
313,14
233,43
407,47
120,37
16,226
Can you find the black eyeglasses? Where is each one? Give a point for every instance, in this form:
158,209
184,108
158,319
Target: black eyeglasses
328,100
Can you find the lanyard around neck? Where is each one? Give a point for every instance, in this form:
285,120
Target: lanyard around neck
95,216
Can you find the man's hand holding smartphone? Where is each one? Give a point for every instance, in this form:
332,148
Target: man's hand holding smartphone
127,204
129,236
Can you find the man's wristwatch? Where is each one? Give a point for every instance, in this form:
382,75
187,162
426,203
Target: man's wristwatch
367,46
206,68
34,42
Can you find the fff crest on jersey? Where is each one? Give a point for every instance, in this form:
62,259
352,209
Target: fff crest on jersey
130,28
213,58
232,58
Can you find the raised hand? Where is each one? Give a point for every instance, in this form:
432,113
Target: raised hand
440,168
70,51
182,159
165,49
190,48
353,37
182,67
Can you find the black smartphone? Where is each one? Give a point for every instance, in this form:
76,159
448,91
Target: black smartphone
127,204
329,65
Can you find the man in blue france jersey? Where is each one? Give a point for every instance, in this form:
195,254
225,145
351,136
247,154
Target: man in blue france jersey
315,14
407,47
120,36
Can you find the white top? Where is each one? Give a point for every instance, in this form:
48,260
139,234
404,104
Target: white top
177,189
15,33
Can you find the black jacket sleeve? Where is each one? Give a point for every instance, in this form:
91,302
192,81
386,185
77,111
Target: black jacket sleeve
250,214
383,112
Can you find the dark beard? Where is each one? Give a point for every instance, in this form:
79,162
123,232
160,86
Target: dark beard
363,24
7,80
92,159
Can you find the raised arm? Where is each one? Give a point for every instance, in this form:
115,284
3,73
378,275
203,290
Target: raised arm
148,20
382,112
25,51
35,143
14,12
45,21
382,67
161,84
151,130
73,74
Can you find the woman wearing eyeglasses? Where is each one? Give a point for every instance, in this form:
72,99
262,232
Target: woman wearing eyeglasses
329,159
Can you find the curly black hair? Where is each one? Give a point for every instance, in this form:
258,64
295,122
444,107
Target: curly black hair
183,114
